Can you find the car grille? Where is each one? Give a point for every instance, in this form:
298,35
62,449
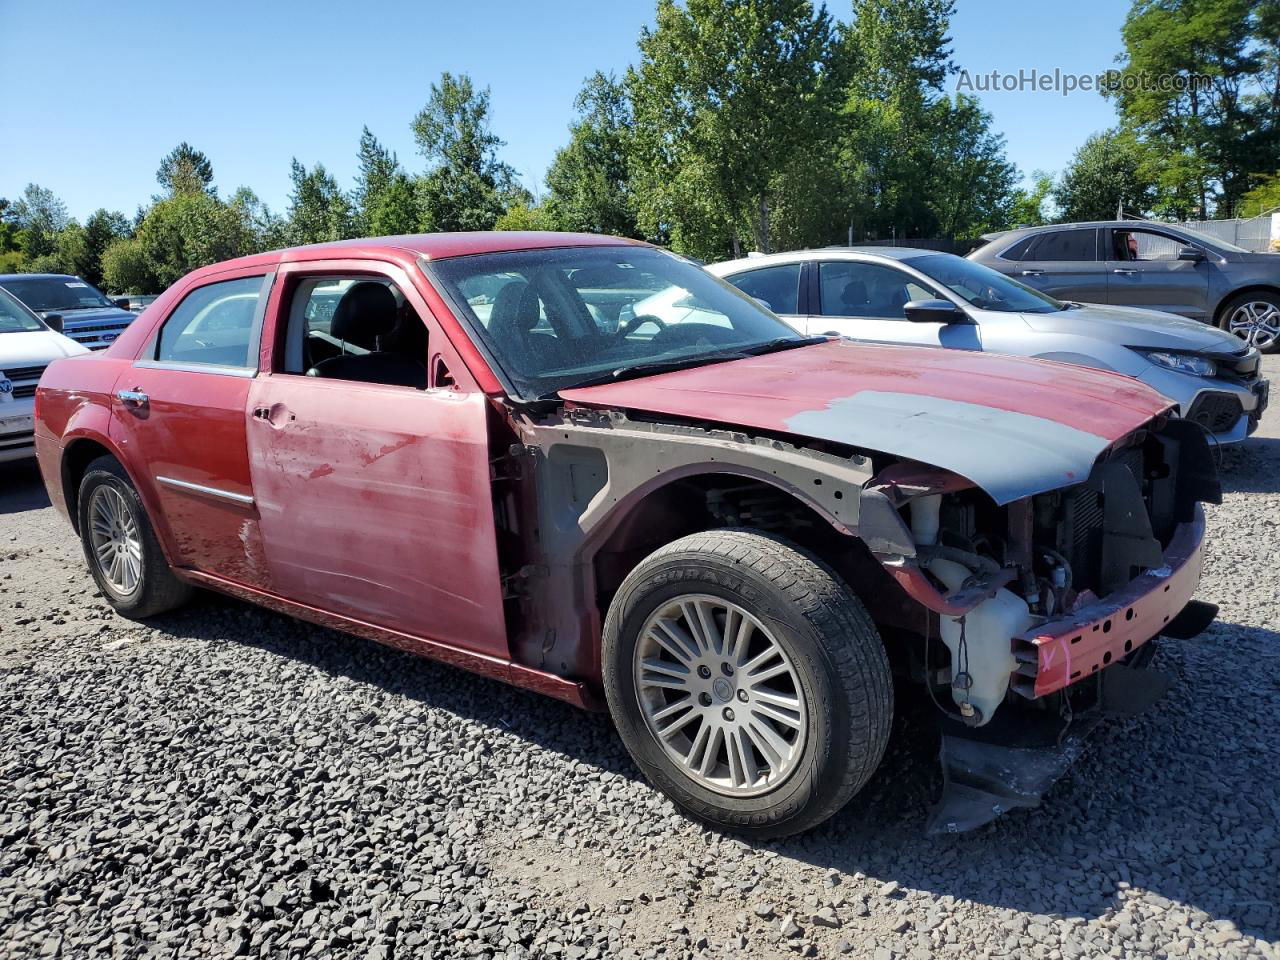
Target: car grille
24,380
1216,412
95,336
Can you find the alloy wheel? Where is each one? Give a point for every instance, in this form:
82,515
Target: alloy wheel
721,695
1256,322
114,535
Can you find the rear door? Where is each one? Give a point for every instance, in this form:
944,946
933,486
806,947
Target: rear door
179,411
865,301
1064,264
374,497
1144,271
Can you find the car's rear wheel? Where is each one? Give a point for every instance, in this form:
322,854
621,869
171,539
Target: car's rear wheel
1255,319
124,556
747,681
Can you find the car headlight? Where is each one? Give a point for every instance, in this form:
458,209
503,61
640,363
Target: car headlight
1182,362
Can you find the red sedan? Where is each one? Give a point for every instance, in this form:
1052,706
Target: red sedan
585,466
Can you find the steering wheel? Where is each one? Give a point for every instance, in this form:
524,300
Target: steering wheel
638,321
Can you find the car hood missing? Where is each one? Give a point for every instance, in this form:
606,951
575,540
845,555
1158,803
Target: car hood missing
1013,426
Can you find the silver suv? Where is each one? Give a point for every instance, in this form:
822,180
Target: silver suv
1135,263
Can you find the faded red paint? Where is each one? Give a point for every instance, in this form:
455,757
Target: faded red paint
765,392
1067,650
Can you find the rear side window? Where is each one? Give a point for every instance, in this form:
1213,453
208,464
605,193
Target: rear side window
1065,245
779,286
214,325
1019,250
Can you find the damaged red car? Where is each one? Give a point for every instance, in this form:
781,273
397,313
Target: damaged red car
585,466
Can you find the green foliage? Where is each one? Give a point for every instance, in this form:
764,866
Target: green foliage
178,235
184,170
1110,170
384,199
589,182
39,216
1028,206
1262,198
466,186
521,216
725,98
102,229
318,210
1202,142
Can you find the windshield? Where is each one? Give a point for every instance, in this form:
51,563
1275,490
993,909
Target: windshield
56,294
14,318
1214,242
559,318
983,287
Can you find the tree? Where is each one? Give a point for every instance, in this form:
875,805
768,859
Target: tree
971,184
267,230
1215,125
726,96
184,170
521,216
318,210
1107,173
1262,198
588,183
39,217
102,229
384,198
178,235
465,187
1029,206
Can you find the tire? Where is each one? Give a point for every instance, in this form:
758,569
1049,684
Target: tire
1254,318
836,674
109,503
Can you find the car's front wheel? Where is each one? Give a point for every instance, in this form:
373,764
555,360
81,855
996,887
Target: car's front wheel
124,556
1255,319
747,681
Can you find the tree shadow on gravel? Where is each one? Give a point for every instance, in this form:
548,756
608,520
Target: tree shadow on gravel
1252,467
21,488
1137,809
1154,803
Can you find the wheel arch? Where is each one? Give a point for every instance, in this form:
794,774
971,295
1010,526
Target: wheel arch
1234,295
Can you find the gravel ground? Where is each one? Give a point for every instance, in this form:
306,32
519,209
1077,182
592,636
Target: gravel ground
228,782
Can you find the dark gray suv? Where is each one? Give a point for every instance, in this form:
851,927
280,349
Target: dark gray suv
1136,263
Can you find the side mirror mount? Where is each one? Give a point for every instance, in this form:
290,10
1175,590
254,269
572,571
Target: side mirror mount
121,302
934,311
1193,254
54,322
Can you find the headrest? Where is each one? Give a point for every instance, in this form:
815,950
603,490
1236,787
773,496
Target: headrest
516,305
366,312
855,294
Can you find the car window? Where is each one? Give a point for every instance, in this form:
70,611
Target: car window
553,319
983,287
213,324
1143,245
777,286
1064,245
56,294
851,288
1019,249
14,319
355,328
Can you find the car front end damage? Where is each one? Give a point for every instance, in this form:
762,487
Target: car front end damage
1042,611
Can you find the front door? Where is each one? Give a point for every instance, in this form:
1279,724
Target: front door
180,410
372,480
1144,271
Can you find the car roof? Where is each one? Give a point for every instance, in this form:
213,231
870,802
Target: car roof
824,253
37,276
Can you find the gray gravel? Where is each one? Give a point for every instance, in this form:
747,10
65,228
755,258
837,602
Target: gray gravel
229,782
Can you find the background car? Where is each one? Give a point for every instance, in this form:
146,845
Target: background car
27,345
905,295
1136,263
89,317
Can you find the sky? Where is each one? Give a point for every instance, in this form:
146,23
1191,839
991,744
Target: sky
96,93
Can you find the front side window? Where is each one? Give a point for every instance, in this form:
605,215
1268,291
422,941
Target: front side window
14,319
213,325
778,286
983,287
1071,245
57,294
1144,245
851,288
358,329
554,319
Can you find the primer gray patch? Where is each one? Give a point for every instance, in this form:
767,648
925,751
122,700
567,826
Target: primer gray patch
1009,455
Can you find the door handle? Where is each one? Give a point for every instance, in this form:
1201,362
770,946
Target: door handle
1033,273
133,399
1125,273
